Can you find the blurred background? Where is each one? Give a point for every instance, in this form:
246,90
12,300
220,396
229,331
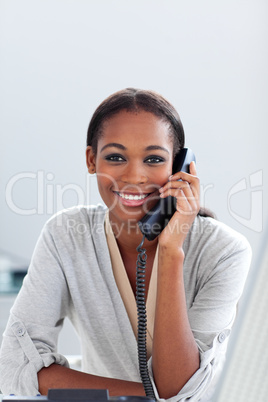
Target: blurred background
60,58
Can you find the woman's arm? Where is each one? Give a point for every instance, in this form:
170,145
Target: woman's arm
56,376
175,356
175,353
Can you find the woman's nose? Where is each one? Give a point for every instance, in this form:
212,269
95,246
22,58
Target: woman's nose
134,174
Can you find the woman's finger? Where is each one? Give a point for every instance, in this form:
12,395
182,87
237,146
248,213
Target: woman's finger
193,184
185,198
193,169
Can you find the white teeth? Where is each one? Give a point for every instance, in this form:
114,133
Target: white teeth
132,197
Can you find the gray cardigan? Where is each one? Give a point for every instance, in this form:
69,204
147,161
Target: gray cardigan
70,275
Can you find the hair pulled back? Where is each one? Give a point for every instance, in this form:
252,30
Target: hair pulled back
136,100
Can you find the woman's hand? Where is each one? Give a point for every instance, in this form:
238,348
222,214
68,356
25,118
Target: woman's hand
185,188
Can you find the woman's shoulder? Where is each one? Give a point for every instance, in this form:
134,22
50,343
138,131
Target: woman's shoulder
77,218
213,248
210,232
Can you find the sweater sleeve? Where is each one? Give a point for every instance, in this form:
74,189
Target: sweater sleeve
30,339
212,313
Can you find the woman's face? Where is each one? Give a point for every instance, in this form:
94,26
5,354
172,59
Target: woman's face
134,159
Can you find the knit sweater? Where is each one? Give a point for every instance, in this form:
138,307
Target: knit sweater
70,275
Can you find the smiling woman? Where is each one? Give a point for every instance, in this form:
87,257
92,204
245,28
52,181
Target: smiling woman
133,161
195,270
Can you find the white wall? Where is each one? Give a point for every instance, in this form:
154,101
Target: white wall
61,58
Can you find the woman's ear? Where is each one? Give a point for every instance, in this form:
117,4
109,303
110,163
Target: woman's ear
91,160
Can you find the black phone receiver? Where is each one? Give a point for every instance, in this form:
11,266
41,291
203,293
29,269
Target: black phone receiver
152,224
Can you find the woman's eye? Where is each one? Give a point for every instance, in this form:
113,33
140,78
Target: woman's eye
154,159
114,158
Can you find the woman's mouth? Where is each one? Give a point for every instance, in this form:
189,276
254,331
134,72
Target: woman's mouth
132,199
133,196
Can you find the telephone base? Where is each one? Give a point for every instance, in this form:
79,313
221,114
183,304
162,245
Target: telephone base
72,395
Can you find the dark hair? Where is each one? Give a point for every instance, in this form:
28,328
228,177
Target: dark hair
136,100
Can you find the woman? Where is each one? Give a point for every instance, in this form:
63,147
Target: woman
195,270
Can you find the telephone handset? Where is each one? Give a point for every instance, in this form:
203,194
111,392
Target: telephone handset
152,224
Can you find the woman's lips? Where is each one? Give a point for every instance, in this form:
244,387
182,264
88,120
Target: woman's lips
132,199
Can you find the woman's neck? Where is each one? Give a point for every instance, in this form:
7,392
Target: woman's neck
129,237
127,242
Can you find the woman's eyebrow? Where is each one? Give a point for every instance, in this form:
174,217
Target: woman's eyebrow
122,147
156,147
114,145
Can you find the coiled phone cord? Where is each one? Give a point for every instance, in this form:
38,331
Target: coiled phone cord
142,320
